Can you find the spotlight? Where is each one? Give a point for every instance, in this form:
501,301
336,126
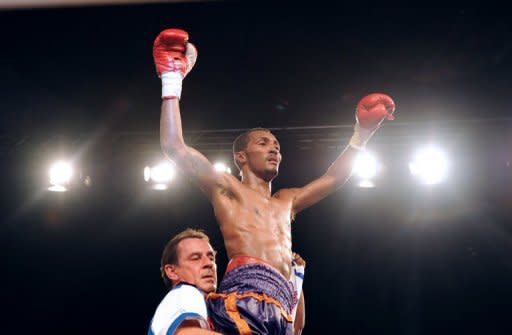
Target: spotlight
430,165
365,183
221,167
366,168
365,165
160,175
159,187
60,175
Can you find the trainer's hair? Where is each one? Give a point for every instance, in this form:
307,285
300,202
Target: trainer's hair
170,253
240,143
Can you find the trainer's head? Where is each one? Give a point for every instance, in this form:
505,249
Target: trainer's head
189,257
257,150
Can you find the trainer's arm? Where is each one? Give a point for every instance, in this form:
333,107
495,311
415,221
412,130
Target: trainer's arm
300,316
191,327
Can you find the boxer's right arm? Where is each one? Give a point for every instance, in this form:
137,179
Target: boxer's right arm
189,160
174,57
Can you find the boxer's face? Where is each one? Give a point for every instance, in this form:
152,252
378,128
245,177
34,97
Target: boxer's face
263,153
196,264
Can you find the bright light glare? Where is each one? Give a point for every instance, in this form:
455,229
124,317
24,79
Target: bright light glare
57,188
147,173
365,183
365,166
160,187
161,173
430,165
60,173
221,167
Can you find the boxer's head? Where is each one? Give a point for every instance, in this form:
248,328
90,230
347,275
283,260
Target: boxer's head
189,257
258,151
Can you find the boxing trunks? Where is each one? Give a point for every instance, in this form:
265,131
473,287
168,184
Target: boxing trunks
253,298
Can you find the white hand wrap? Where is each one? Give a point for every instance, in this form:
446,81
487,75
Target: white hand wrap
361,137
171,84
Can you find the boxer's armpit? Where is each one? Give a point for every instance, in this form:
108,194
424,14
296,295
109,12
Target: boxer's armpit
223,186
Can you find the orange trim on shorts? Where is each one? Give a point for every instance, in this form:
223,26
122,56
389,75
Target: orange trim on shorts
230,298
234,314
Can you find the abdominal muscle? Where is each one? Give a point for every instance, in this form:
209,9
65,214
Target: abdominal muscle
270,245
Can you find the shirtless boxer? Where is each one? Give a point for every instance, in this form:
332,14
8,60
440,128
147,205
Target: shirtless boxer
256,294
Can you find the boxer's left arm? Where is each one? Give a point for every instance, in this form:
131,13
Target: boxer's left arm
371,111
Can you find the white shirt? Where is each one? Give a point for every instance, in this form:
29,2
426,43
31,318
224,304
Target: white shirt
184,302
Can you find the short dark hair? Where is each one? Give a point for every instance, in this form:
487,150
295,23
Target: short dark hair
240,143
170,253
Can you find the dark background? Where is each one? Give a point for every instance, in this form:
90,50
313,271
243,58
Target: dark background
398,259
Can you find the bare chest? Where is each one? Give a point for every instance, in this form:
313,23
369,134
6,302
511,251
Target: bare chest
272,211
267,220
258,211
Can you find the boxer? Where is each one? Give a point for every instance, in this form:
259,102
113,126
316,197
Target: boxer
256,294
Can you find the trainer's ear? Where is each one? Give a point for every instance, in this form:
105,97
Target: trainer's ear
170,272
240,157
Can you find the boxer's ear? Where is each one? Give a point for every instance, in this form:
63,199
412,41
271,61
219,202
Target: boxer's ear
240,157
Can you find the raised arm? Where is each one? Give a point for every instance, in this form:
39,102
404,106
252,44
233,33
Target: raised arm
371,111
190,161
174,57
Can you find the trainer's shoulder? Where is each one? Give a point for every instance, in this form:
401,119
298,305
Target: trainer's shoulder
185,294
181,303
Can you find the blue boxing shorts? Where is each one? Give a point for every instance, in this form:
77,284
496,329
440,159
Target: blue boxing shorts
253,298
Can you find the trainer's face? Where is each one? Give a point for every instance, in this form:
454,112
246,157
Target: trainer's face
196,264
263,153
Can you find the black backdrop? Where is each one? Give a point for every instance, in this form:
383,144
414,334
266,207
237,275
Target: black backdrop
400,258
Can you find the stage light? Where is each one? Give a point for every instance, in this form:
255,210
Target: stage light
60,175
221,167
57,188
366,183
159,187
430,165
160,175
365,167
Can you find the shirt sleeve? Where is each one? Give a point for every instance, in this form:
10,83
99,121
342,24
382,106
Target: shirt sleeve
184,302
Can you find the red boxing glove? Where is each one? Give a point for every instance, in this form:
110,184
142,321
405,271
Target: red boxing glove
174,57
371,111
373,108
